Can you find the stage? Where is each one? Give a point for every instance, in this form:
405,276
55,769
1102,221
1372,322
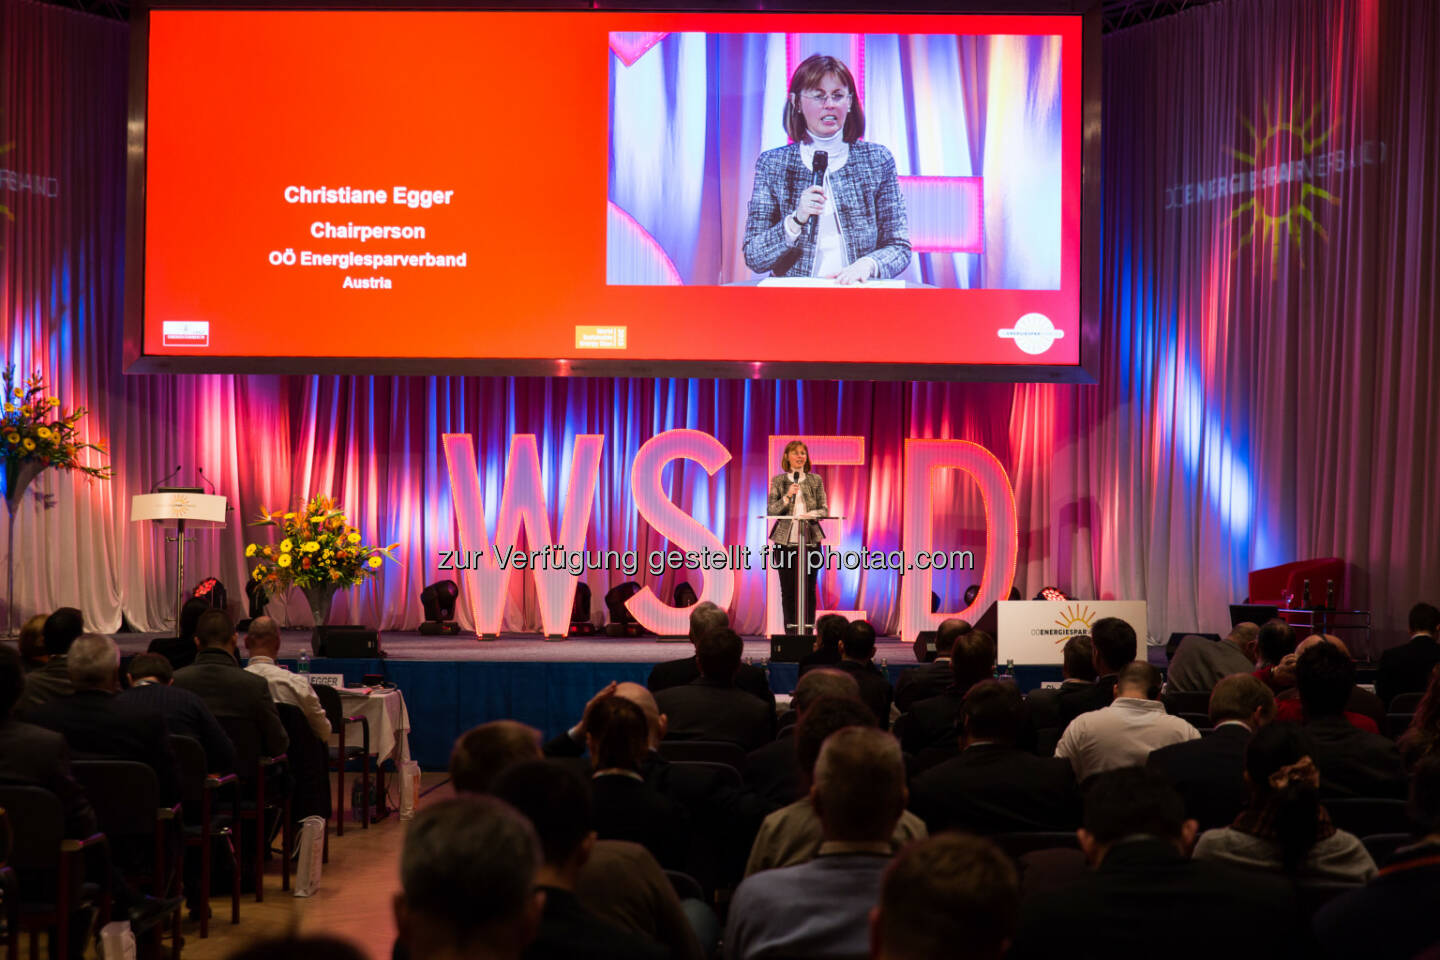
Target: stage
453,683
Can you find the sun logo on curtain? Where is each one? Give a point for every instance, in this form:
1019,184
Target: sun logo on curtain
1282,160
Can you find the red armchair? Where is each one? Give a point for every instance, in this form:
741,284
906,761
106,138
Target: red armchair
1282,585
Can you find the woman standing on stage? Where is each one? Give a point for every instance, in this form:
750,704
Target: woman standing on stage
798,493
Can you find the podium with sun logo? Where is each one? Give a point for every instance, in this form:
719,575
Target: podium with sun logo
176,507
1033,632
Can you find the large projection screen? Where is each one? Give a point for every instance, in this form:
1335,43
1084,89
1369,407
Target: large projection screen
867,196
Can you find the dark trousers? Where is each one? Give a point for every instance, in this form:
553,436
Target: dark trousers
783,557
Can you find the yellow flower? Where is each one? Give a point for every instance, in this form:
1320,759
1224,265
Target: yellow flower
43,432
12,437
250,550
286,545
29,444
289,515
258,573
53,401
342,519
310,546
374,561
9,408
284,560
353,538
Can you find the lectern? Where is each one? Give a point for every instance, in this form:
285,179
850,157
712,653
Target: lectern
179,506
801,543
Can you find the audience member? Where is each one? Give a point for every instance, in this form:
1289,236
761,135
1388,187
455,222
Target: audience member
1200,662
1393,917
931,679
1114,645
152,688
468,882
1352,762
35,755
857,658
676,673
829,631
1146,896
793,834
1284,828
1290,709
557,803
951,896
1422,739
993,787
216,677
1077,667
1209,772
935,721
710,707
51,681
620,883
1407,668
626,806
263,644
1275,654
31,643
822,907
98,724
1124,733
771,770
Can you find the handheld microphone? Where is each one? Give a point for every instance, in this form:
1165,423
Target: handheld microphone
795,477
156,485
820,164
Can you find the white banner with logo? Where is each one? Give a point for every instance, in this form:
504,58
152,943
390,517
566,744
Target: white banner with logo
1033,632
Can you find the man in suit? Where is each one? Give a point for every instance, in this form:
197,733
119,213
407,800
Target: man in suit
1407,668
467,882
99,725
1209,773
829,631
557,802
1352,762
771,770
1138,841
993,787
217,677
1077,666
676,673
711,707
186,715
36,755
52,680
934,722
1124,733
951,896
1115,646
931,679
857,658
1200,662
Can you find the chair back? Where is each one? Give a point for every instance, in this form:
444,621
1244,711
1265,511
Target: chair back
191,764
37,847
124,793
1187,702
309,764
245,735
1382,846
729,774
1405,702
1364,816
1199,721
1396,724
686,887
1314,894
705,751
1019,843
330,703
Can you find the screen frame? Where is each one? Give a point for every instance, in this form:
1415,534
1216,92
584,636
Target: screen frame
137,361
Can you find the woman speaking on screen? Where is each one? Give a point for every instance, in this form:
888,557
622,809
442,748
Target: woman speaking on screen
850,226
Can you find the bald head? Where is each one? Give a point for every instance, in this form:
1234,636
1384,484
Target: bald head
655,721
1244,637
824,682
263,637
1315,639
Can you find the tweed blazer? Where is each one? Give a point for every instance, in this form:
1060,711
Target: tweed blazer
812,497
867,198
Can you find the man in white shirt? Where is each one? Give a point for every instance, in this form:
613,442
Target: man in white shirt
263,643
1124,733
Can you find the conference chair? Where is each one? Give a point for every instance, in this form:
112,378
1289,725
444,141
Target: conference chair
1021,842
1382,846
1197,720
201,825
341,754
126,798
1187,702
705,751
254,799
1314,894
1405,702
9,891
51,867
1396,724
1366,816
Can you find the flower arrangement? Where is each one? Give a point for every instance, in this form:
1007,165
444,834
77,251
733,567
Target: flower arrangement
36,431
318,549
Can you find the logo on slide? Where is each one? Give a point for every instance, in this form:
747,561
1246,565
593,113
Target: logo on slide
1033,333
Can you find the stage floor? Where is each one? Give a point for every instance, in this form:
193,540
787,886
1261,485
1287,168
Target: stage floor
530,649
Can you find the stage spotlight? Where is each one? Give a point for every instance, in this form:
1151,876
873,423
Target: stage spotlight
1051,593
438,599
622,621
212,591
580,625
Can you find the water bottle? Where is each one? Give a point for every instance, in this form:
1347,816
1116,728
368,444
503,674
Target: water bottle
1305,595
305,663
1010,668
1329,594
